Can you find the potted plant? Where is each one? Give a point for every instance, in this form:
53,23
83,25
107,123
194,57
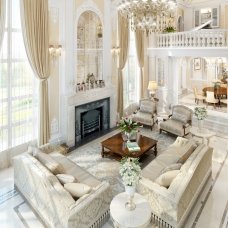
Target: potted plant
201,114
130,171
169,29
127,126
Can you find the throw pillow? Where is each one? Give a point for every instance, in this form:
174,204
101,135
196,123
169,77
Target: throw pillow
175,166
77,189
166,179
180,141
186,151
49,163
65,178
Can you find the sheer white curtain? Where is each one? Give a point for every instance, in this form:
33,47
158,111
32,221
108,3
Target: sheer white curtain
2,20
18,86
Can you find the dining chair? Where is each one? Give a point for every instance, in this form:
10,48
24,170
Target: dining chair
210,98
198,96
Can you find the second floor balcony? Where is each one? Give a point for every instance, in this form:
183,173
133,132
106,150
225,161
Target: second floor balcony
205,38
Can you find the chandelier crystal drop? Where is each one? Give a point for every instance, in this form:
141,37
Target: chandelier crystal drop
148,15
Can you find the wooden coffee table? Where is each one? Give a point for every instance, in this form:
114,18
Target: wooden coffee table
117,146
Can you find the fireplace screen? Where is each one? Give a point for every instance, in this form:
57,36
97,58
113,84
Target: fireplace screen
91,121
91,118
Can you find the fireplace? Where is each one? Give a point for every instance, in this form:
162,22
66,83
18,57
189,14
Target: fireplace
91,118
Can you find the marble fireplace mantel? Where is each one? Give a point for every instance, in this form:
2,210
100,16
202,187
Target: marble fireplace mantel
80,98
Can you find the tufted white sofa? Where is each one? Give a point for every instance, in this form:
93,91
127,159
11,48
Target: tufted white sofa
170,206
48,198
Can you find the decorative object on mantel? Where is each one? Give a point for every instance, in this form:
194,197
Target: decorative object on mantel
201,114
149,16
128,126
93,84
130,172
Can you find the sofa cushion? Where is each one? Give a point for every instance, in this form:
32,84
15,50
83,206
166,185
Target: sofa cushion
171,157
63,160
153,170
83,176
186,151
80,174
65,178
49,163
175,166
180,141
77,189
166,179
200,149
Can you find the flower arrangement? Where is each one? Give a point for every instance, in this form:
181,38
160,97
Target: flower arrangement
128,125
200,113
130,171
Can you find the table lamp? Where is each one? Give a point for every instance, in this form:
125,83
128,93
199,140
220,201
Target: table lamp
152,87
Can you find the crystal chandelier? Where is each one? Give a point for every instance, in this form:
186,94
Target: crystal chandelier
148,15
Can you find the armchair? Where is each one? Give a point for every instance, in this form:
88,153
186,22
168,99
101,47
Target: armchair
179,122
146,113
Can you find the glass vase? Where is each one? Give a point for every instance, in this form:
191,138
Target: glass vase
128,136
200,126
130,205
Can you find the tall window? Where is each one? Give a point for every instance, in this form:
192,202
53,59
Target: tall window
131,74
18,91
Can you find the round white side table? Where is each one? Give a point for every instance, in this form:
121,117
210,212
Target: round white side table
122,218
205,134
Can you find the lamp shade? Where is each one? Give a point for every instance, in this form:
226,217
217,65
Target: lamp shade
152,86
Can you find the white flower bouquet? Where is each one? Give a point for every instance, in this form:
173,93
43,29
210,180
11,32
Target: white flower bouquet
130,171
200,113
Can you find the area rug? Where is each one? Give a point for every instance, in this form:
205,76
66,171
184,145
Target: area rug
15,212
107,169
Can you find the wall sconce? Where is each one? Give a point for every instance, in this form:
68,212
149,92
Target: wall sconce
55,50
99,31
115,50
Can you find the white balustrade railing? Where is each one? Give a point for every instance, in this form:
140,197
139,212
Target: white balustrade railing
201,38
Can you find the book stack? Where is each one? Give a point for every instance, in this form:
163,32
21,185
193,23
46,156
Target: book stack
133,146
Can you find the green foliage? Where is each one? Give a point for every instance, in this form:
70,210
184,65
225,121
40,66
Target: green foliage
128,125
169,29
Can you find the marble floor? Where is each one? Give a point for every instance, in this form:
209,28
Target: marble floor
189,100
210,210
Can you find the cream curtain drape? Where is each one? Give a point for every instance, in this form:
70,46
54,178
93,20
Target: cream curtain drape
123,33
2,20
34,17
139,41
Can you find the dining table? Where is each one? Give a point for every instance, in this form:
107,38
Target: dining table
219,91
